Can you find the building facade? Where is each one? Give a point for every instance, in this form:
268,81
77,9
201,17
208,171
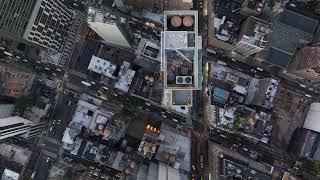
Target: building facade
15,15
18,126
13,126
48,24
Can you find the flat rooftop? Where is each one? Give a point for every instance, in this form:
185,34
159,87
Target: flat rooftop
289,29
180,46
231,167
256,31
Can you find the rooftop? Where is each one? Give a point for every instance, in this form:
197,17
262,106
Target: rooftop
9,175
289,29
182,97
227,19
299,21
231,167
107,27
125,77
256,31
175,145
149,49
102,67
15,153
83,115
181,43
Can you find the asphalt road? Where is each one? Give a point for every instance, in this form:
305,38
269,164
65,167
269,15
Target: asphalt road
52,143
244,146
46,70
44,164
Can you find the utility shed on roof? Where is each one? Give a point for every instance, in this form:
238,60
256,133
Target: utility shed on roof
312,120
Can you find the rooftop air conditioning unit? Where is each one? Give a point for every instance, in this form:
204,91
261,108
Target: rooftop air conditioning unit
184,80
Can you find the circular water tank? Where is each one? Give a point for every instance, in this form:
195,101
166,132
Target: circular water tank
188,21
176,21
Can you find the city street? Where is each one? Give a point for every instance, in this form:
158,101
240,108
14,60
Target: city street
51,146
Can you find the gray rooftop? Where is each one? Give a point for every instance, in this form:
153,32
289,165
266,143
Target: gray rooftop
230,167
287,33
278,57
299,21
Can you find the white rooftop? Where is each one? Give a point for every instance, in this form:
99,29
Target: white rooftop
125,77
312,120
83,115
102,66
108,31
13,120
9,175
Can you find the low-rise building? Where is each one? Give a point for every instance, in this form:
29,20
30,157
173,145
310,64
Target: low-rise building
174,148
306,64
253,36
15,83
265,93
224,162
101,66
290,30
125,77
149,49
18,126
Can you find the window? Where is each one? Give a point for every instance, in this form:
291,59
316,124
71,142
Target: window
44,19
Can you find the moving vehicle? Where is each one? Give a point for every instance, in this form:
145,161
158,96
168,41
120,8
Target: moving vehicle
85,83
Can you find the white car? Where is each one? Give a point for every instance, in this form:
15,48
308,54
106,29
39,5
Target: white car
302,85
46,68
2,48
59,121
58,70
7,53
307,95
51,128
24,60
54,74
47,160
259,69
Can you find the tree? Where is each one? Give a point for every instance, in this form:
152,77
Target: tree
309,166
24,102
135,102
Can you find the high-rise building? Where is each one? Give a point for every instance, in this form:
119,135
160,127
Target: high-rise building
52,24
253,36
48,24
18,126
307,63
15,15
6,106
139,4
110,28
